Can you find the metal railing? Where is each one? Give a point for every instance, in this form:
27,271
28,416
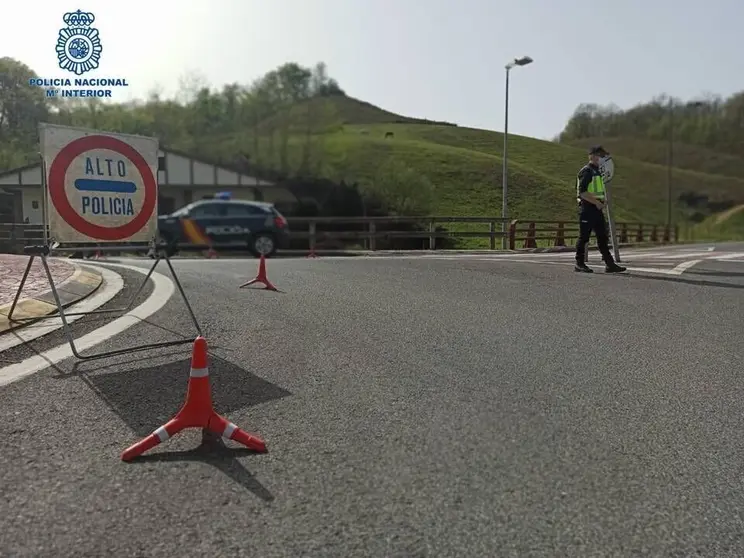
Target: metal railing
318,231
426,233
561,233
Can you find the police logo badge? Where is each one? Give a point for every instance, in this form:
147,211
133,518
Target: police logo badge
78,45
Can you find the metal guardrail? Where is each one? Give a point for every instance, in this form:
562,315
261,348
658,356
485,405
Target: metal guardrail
559,233
315,232
320,230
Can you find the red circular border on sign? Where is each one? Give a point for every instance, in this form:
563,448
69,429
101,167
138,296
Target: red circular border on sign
56,185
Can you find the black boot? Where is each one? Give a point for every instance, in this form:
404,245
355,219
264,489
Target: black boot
612,267
581,266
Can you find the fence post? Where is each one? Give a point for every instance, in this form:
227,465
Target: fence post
624,233
513,234
529,242
560,239
676,233
666,233
13,240
372,237
492,231
432,235
639,233
311,237
654,234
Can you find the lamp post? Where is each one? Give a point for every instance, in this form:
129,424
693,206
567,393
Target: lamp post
504,187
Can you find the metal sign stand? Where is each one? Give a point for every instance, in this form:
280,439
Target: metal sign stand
607,167
161,251
611,223
43,252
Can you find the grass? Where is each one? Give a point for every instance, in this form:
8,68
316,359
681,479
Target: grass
725,226
464,164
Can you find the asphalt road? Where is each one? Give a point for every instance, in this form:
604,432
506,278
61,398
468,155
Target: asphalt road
411,407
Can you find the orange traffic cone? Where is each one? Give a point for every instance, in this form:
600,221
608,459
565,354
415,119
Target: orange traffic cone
261,277
197,412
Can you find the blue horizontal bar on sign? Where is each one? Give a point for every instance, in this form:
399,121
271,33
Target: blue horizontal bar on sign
96,185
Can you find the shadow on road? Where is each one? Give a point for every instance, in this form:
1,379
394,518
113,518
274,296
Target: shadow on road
677,279
146,398
219,456
143,397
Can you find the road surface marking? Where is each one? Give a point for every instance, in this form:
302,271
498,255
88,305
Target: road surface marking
112,285
678,270
683,255
732,256
162,291
684,266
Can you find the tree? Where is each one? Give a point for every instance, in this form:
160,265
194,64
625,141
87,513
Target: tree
22,107
248,125
707,121
321,85
400,189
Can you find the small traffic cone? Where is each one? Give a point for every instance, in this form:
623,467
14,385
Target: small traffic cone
211,253
261,277
312,254
197,412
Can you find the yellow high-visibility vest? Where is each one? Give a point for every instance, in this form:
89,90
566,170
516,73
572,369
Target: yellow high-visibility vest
596,187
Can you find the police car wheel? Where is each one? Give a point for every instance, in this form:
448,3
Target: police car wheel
263,245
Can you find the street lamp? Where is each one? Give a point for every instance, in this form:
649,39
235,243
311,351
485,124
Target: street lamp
670,156
504,189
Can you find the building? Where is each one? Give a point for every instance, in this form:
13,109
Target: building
181,180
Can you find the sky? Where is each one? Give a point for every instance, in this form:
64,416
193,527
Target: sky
436,59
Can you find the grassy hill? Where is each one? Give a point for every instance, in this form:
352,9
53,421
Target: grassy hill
348,139
727,225
691,157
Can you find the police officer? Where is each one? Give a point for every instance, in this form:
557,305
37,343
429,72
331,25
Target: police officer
590,195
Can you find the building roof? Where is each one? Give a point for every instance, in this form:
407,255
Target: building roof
181,169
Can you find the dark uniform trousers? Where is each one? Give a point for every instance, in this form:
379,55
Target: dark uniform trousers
592,219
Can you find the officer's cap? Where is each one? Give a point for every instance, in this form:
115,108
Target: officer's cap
597,150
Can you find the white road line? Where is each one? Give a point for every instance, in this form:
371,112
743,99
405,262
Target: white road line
678,270
112,285
724,257
163,289
697,249
684,255
684,266
674,271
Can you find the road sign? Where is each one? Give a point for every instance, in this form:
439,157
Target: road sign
101,187
607,168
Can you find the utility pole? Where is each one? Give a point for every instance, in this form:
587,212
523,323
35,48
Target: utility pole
504,180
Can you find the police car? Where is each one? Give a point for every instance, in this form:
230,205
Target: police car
228,223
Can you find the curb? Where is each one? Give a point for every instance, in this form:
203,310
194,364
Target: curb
83,283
